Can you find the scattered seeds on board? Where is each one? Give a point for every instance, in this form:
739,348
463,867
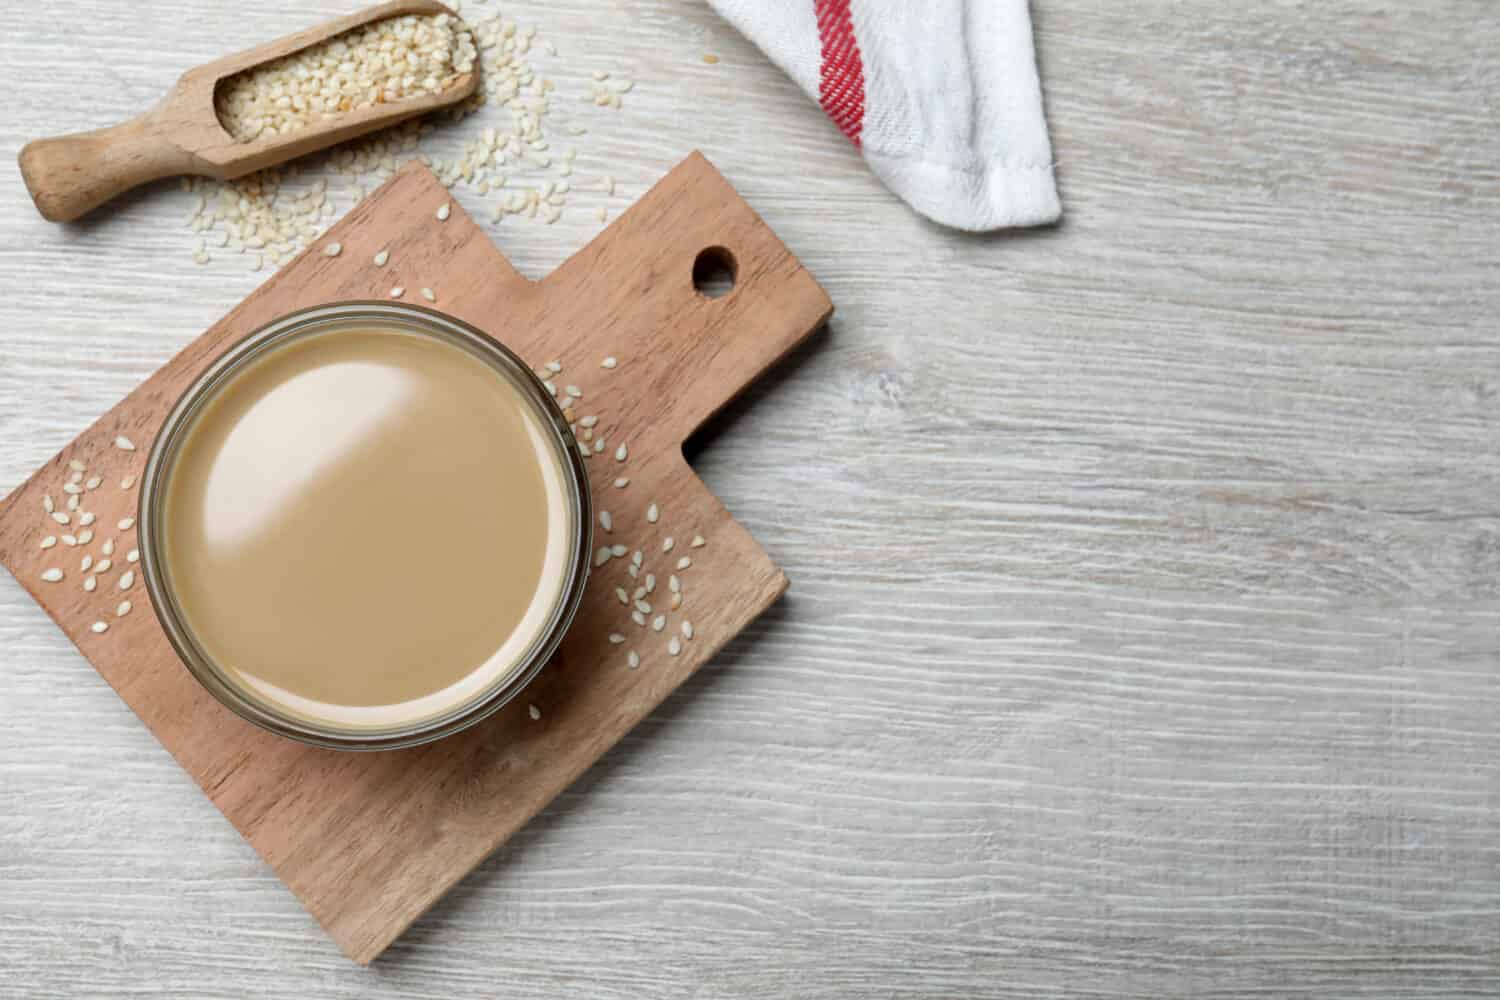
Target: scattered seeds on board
333,249
622,482
589,421
653,513
109,547
674,584
127,482
85,536
599,446
382,257
99,627
624,597
103,565
698,542
397,292
619,551
616,638
687,630
659,623
606,521
126,523
428,295
88,561
76,465
91,584
635,560
61,517
633,659
93,483
676,601
640,592
70,540
555,367
72,488
650,587
47,503
127,579
609,362
667,543
87,518
52,575
124,443
133,555
644,607
49,541
638,618
684,562
621,453
602,556
675,646
73,502
444,210
123,608
533,711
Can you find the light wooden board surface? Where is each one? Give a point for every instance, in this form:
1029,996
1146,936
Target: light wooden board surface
1144,633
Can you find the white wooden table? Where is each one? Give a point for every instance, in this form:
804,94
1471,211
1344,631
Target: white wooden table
1144,637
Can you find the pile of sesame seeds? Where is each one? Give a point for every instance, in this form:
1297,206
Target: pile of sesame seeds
379,63
522,155
72,528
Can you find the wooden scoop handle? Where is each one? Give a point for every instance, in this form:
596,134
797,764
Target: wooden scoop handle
72,174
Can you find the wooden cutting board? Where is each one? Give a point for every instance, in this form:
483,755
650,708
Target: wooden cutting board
369,841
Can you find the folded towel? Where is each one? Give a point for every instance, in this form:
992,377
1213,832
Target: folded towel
941,96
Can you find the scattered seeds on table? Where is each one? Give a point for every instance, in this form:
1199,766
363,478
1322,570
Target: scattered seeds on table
73,502
124,443
633,570
650,583
637,558
589,421
653,513
72,489
640,592
108,547
676,601
52,575
675,646
554,367
93,483
599,446
428,295
602,556
333,249
99,627
444,210
83,567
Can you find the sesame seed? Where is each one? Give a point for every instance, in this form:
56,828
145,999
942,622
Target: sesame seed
52,575
427,294
622,482
85,536
644,607
554,367
333,249
653,513
602,556
127,482
88,561
99,627
616,638
70,540
133,555
698,542
90,584
621,453
382,257
444,211
684,562
710,58
124,443
86,518
127,579
75,476
60,517
589,421
93,483
674,584
633,659
606,521
640,592
624,597
609,362
667,543
73,502
76,465
573,390
618,551
533,711
599,447
659,623
650,583
49,541
687,630
102,566
72,489
123,608
126,523
676,601
108,547
47,503
633,570
636,559
397,292
675,646
638,618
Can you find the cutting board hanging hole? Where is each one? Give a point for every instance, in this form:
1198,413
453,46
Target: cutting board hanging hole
714,272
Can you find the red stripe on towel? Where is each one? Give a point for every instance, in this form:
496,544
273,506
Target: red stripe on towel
841,90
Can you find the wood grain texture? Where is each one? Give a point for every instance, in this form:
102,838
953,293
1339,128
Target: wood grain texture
1146,619
370,841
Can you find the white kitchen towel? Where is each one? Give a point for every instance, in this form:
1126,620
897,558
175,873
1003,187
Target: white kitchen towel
941,96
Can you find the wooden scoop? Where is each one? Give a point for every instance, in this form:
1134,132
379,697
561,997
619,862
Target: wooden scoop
72,174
